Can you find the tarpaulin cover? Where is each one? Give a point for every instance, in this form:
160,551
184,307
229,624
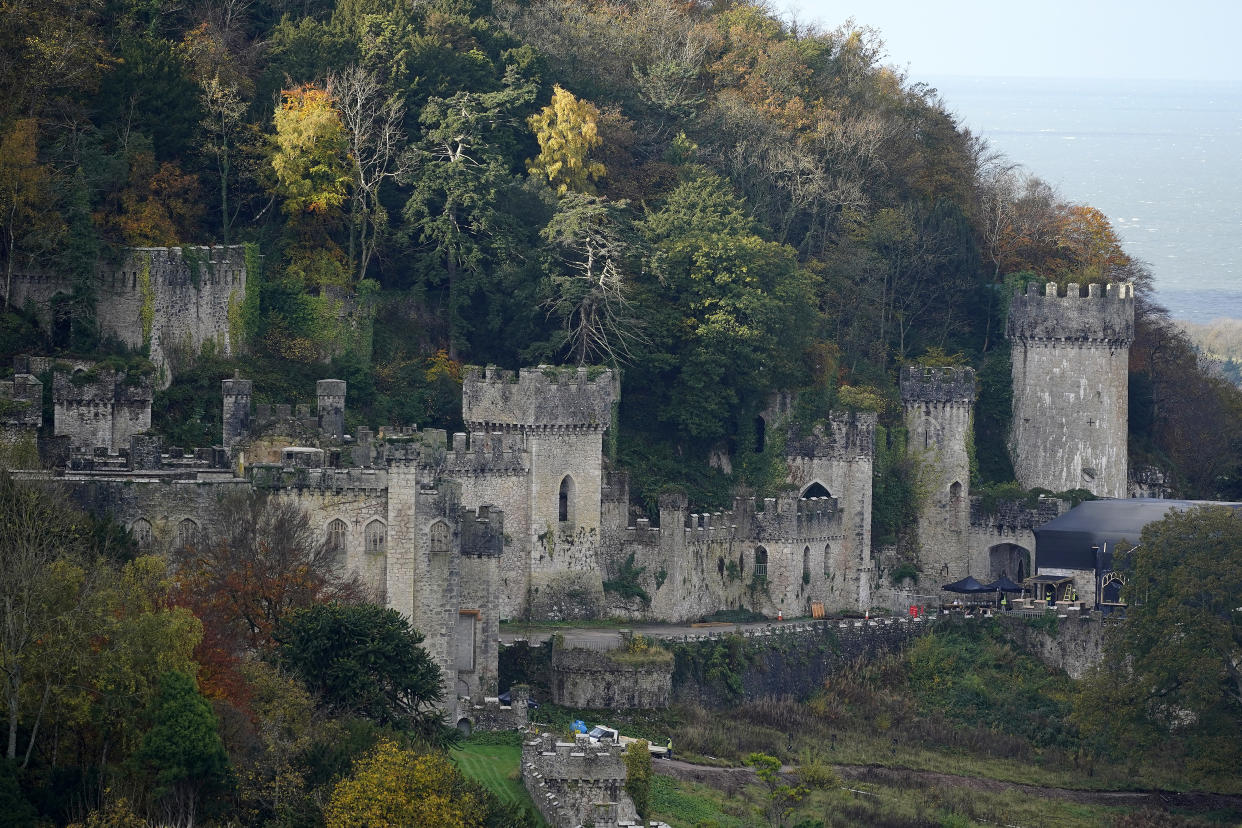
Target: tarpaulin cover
1069,542
1003,584
967,584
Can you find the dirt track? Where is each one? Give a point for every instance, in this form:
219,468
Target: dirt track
731,780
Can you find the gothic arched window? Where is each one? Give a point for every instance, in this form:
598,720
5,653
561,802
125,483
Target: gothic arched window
565,501
141,530
375,537
761,563
187,534
439,536
335,543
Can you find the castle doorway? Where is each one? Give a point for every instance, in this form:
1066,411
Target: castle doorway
1009,559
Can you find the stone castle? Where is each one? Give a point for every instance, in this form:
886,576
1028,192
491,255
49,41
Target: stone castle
522,517
166,299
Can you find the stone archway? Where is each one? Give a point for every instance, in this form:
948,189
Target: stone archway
1010,560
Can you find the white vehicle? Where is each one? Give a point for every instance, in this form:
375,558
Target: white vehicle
604,732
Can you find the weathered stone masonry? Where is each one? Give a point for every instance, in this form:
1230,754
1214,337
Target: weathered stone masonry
1071,359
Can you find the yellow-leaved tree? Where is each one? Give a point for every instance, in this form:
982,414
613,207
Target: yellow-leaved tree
567,130
310,150
395,786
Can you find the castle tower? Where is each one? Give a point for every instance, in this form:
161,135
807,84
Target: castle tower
1071,357
836,459
557,417
938,405
330,394
236,393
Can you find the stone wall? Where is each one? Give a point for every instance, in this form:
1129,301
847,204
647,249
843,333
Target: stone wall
596,680
1073,642
839,455
98,407
577,783
1070,388
720,669
938,405
548,424
773,555
168,297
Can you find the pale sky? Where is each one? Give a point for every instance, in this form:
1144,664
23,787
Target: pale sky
1176,39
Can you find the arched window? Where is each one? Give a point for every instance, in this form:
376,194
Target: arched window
720,566
816,490
335,543
806,565
141,530
761,434
741,563
955,492
761,563
375,537
439,536
827,558
565,502
187,534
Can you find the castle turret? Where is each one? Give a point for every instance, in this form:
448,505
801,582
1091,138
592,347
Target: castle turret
331,407
938,404
1071,358
558,417
236,393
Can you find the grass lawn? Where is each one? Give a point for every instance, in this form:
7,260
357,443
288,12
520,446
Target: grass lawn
495,767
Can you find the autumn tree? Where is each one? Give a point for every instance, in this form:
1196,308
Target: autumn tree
396,786
43,594
309,152
567,130
256,561
27,216
1174,668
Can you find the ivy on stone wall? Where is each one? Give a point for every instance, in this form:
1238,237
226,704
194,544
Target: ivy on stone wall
147,292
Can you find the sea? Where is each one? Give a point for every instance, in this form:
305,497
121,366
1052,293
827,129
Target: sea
1161,158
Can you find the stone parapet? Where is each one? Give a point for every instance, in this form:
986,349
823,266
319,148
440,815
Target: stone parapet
1104,315
1015,514
542,398
846,435
952,384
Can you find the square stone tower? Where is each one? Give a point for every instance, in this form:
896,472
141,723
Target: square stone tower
556,417
1071,359
938,405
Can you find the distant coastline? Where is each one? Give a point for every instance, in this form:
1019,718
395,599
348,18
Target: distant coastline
1161,158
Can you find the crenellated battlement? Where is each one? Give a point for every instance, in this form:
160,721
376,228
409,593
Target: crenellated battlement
847,435
577,761
21,402
769,519
272,476
949,384
1104,315
545,398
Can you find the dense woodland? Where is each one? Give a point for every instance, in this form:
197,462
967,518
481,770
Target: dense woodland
720,203
715,201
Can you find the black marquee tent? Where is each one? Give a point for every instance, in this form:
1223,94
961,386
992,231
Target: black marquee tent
967,585
1072,540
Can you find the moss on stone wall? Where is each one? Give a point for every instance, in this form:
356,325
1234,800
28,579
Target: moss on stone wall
147,291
